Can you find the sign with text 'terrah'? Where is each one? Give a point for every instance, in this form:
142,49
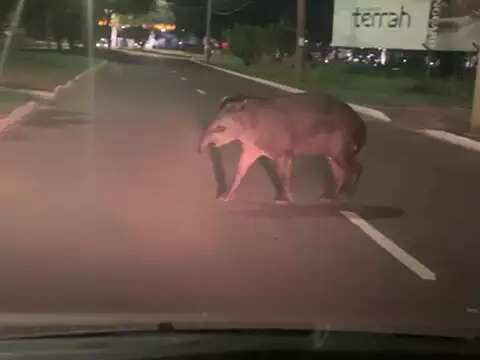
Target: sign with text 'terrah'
407,24
389,24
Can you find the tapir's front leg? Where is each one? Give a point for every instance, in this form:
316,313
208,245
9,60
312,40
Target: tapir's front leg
247,158
284,166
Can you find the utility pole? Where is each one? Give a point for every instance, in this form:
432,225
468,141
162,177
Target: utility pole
475,120
300,53
208,32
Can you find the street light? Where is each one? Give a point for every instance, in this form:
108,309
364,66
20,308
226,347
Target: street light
208,32
475,120
300,53
108,16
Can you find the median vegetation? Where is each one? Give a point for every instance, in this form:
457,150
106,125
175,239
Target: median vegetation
41,69
9,100
254,44
267,53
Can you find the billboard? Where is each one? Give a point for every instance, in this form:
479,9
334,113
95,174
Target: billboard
407,24
454,25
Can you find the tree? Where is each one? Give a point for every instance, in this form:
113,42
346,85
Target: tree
6,7
250,42
57,19
159,13
190,14
246,42
66,19
125,6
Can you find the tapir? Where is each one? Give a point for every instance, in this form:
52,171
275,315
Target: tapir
284,127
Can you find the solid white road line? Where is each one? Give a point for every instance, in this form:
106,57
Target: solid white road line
146,53
183,78
458,140
389,246
201,92
285,88
375,114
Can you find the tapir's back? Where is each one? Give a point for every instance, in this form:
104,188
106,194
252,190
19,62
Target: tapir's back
323,112
311,115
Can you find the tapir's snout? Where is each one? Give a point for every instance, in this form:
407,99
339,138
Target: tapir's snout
205,141
202,145
221,132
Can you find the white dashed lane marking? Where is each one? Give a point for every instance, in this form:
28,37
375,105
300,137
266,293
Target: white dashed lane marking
183,78
201,92
389,246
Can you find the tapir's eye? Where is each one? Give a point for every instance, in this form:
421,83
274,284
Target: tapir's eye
219,129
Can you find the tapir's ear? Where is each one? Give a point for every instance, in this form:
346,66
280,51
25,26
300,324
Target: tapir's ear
225,101
228,100
239,101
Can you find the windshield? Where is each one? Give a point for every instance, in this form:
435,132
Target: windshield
287,164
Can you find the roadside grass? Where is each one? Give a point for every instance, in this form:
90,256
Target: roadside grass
361,85
10,100
41,69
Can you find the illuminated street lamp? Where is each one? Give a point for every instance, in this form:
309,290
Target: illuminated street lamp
475,119
108,16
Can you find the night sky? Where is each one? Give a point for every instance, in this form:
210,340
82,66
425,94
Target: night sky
262,12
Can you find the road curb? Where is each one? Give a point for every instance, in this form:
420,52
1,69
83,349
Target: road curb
22,111
273,84
18,114
441,135
444,136
373,113
71,83
42,94
451,138
152,54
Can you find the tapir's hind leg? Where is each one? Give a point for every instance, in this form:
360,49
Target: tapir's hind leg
340,170
356,171
284,167
346,174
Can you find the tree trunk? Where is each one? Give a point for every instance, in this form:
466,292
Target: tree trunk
450,64
59,44
48,28
83,26
108,33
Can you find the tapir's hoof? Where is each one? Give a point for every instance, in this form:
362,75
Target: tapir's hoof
284,199
225,197
327,198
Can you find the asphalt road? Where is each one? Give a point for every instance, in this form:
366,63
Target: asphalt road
116,213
